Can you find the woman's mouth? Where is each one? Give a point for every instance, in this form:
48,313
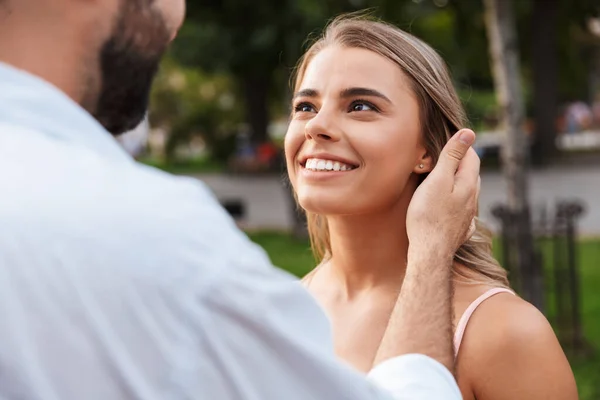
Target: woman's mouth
319,164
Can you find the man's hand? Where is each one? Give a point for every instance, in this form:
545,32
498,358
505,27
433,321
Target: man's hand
438,221
443,207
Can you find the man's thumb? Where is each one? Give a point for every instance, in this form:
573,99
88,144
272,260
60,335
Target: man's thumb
454,151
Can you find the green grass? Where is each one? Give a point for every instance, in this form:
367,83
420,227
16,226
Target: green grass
292,255
196,165
589,258
296,257
587,368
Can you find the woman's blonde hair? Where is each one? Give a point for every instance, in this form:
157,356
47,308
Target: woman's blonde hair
441,115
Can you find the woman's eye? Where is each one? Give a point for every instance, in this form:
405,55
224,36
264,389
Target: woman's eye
304,107
362,106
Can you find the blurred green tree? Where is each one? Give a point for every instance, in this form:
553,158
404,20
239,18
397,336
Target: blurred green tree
555,60
559,65
189,103
251,41
257,43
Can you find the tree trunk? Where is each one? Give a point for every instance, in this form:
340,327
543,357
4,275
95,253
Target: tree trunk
545,79
256,91
505,67
594,78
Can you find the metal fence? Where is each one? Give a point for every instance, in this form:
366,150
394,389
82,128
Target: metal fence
555,265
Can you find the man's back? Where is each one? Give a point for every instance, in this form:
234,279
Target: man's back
94,246
120,253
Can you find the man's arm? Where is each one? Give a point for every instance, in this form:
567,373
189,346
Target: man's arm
438,222
263,336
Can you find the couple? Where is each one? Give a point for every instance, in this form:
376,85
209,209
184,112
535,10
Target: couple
118,281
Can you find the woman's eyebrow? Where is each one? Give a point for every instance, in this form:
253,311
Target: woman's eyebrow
306,93
349,92
361,91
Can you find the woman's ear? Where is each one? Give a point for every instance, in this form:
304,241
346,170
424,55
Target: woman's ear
424,163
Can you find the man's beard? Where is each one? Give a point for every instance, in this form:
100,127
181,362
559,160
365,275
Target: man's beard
127,70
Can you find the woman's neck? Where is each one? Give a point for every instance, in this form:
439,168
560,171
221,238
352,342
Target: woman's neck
369,250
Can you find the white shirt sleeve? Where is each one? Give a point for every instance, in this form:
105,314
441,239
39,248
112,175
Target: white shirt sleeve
422,378
264,337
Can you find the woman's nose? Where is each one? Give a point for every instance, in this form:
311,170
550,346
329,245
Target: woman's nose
322,128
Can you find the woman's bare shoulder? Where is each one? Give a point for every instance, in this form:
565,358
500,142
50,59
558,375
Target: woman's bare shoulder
506,319
510,351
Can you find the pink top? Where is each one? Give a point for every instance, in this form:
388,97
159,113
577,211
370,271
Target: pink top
464,320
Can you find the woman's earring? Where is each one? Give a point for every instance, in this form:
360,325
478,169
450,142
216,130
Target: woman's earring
421,166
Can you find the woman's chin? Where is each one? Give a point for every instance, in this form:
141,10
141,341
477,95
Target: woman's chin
327,205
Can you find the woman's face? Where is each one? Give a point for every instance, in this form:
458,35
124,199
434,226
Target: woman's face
353,145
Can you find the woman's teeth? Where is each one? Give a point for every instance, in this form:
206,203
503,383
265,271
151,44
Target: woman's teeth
316,164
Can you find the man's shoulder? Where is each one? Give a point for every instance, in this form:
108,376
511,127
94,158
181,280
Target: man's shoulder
112,223
49,177
155,204
178,223
65,190
167,192
183,206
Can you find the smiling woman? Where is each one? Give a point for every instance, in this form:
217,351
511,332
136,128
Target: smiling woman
372,109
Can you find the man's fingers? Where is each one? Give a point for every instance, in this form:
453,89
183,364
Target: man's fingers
454,151
472,229
467,175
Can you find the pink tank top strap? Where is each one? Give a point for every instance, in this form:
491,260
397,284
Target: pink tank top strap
464,319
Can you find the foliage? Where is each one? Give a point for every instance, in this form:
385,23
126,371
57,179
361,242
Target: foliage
251,41
196,165
253,46
192,103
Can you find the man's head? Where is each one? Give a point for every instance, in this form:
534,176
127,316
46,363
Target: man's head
129,60
103,53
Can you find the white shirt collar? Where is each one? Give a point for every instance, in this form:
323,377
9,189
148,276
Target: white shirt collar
31,102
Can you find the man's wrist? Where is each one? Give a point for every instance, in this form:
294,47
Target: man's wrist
429,258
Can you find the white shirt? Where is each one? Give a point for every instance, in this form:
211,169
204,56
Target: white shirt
119,281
